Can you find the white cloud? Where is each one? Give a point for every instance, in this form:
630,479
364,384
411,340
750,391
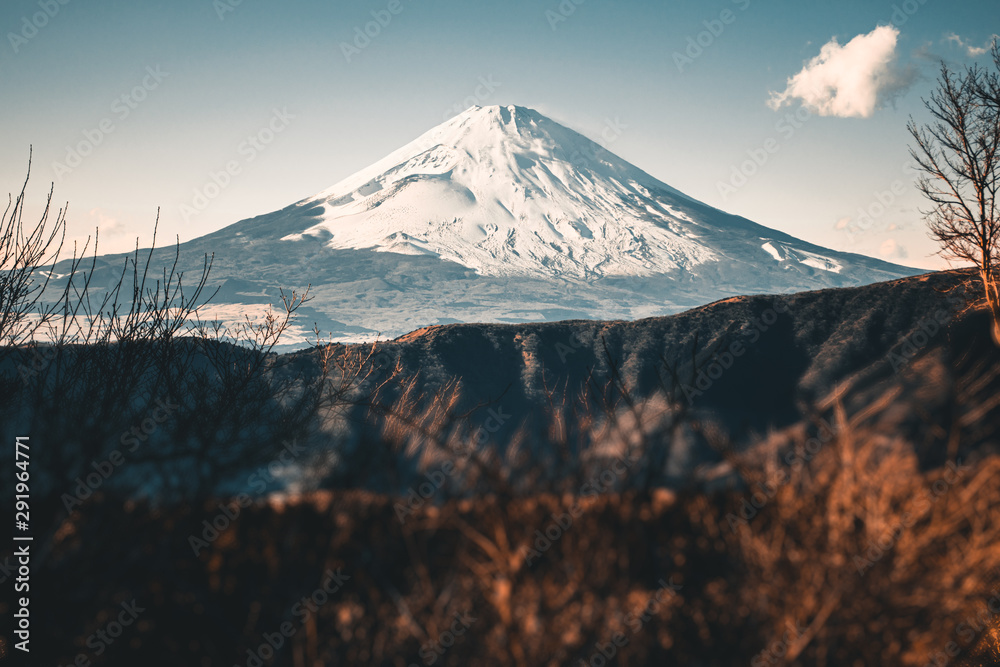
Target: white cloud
850,80
971,49
105,222
892,249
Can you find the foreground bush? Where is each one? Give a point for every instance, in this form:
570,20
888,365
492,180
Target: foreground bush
857,559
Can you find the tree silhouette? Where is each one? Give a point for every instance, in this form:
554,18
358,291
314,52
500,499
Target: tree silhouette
958,155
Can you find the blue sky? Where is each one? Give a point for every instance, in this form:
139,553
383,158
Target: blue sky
162,95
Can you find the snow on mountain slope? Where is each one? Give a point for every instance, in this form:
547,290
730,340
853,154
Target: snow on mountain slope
507,192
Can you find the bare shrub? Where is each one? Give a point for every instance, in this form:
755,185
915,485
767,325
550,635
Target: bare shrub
958,155
877,560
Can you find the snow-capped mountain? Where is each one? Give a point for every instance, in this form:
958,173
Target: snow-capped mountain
501,214
507,192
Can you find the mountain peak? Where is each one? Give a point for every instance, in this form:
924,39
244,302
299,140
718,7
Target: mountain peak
506,191
480,123
504,112
508,110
